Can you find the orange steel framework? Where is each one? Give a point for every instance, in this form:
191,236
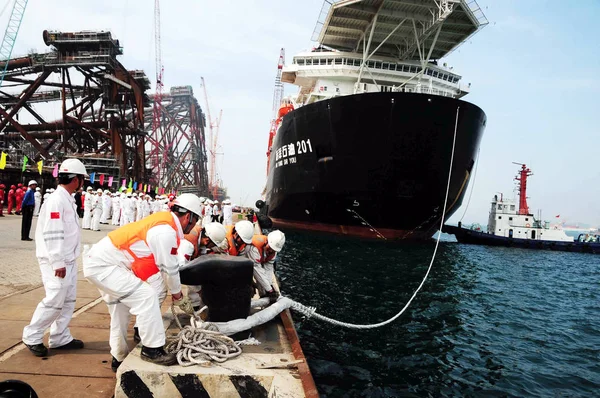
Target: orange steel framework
101,105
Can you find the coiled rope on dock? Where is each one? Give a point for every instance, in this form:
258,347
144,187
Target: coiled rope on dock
201,342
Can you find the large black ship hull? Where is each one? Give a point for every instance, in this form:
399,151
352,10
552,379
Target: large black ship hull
372,165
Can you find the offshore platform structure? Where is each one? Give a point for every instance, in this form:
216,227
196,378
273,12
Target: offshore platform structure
100,113
176,142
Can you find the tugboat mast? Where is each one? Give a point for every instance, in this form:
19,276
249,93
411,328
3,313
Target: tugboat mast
522,178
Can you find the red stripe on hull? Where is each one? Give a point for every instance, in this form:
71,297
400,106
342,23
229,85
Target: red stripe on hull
355,231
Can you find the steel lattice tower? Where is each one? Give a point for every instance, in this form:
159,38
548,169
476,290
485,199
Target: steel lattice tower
180,141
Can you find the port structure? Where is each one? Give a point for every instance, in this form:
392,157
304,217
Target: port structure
176,135
94,110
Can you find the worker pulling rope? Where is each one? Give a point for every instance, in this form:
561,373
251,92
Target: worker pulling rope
202,341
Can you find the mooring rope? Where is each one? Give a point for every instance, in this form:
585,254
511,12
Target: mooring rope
201,342
311,311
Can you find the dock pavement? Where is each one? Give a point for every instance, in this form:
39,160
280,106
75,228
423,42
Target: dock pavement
76,373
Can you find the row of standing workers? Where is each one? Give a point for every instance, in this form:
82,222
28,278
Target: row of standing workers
133,267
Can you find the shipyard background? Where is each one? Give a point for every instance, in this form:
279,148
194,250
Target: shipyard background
473,330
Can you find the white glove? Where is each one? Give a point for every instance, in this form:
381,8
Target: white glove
185,304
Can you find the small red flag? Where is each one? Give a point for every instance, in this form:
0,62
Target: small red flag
54,215
173,250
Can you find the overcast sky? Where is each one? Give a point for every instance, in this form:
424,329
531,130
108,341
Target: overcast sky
534,71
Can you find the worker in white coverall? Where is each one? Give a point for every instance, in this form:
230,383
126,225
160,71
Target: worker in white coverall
57,238
96,210
116,209
106,207
204,240
123,266
38,201
87,208
207,212
263,252
124,204
227,213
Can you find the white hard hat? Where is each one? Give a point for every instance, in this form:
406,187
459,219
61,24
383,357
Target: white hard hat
134,195
215,232
51,189
216,202
245,230
38,189
189,201
185,251
88,188
106,191
32,182
99,190
72,166
202,199
276,240
128,194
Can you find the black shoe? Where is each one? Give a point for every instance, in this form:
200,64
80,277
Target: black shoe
114,365
39,350
72,345
27,239
158,356
136,335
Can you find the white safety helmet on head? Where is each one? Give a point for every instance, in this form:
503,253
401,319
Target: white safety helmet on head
276,240
89,189
32,182
185,251
72,166
216,232
38,189
245,230
134,195
190,202
99,190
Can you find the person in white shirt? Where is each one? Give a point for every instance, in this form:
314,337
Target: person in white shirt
207,212
106,207
227,213
87,208
116,209
125,269
38,201
57,238
96,210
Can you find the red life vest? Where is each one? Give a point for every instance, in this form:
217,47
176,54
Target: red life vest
232,248
124,237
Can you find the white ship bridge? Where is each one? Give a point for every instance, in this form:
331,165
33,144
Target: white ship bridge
384,45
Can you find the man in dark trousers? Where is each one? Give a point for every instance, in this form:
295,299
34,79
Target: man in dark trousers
27,209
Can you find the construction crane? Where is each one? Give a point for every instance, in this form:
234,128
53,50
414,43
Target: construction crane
11,32
213,128
157,105
277,98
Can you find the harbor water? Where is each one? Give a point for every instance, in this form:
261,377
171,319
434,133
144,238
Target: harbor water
488,322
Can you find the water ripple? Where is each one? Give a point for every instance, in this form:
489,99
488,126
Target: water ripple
492,322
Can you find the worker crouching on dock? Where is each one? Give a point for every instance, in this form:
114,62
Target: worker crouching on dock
123,266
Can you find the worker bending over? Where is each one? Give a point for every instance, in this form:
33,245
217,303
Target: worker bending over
263,253
125,263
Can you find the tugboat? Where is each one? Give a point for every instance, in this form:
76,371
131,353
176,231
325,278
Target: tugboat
364,148
517,227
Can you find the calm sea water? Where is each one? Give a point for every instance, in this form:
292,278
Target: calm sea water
488,322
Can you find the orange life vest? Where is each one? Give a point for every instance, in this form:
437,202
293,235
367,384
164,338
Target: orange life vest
124,237
260,241
193,237
232,249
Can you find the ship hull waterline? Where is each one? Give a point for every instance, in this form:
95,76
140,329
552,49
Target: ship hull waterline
372,165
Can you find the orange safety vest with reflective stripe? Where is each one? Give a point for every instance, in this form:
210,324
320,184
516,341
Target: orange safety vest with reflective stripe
124,237
260,241
232,249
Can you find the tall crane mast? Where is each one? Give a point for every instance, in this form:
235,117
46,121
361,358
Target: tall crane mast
157,106
11,32
277,98
278,93
213,129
